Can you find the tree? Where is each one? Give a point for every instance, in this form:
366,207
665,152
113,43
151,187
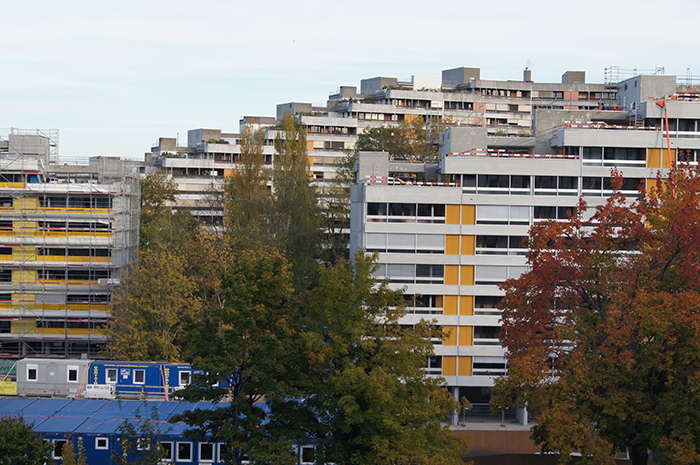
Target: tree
295,217
19,445
368,400
159,224
69,456
247,198
603,334
139,440
247,346
411,139
148,308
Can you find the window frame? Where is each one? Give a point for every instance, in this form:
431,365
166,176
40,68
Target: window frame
116,375
35,368
177,451
98,439
133,375
74,368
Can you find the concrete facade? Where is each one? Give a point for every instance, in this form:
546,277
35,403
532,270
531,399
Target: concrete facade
450,244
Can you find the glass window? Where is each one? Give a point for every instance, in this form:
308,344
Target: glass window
206,452
58,446
111,375
139,376
545,182
184,378
32,372
72,374
167,448
520,182
184,451
101,443
593,153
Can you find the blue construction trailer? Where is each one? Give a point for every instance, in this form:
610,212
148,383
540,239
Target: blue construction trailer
95,425
134,379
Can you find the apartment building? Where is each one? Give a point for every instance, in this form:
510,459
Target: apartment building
66,232
451,240
459,96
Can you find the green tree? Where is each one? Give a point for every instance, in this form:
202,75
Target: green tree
370,402
247,200
160,225
247,345
148,308
295,216
603,334
411,139
19,445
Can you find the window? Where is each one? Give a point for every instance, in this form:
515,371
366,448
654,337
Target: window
167,448
487,305
206,452
486,335
184,378
58,445
307,455
434,366
184,451
32,372
111,376
489,366
423,304
72,374
139,376
101,443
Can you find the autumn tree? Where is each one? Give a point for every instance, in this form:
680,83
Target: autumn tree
19,445
159,288
411,139
295,217
247,200
159,224
603,334
149,306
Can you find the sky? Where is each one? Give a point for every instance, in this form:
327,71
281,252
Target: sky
113,77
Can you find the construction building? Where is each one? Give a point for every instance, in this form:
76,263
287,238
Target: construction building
459,97
450,240
66,233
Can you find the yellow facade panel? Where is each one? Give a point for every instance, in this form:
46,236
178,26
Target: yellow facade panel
467,278
465,366
7,387
468,214
449,366
452,214
468,245
27,203
450,335
466,336
452,245
654,158
23,276
466,305
25,228
24,253
450,305
451,275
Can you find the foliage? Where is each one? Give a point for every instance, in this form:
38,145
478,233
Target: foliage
247,199
149,306
160,226
370,402
603,334
248,345
411,139
139,440
19,445
70,457
295,217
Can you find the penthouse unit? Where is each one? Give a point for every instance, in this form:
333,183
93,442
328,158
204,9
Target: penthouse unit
66,232
450,242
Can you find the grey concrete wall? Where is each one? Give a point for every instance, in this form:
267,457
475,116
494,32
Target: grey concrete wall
372,85
571,77
372,164
457,76
31,144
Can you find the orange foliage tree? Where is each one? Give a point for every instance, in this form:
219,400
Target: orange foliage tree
603,333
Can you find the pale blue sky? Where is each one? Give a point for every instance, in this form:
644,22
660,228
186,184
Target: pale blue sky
115,76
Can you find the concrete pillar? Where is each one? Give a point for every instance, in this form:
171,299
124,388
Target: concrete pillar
455,413
521,415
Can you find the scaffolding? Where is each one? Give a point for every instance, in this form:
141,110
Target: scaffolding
66,234
613,74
